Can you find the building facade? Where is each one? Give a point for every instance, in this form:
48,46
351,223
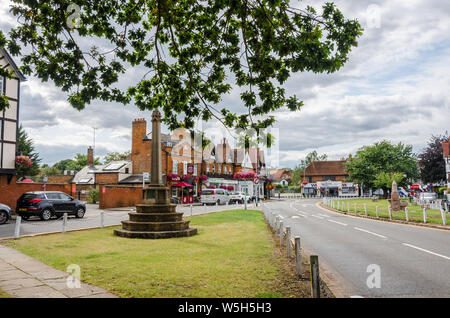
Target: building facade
9,118
328,178
446,153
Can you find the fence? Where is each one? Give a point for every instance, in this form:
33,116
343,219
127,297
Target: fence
294,250
427,212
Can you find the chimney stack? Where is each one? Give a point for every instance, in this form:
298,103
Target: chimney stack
90,157
139,155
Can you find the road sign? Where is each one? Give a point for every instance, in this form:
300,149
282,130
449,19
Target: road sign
146,176
256,180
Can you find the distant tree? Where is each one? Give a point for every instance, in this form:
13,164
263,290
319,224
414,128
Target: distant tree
116,156
66,164
46,170
384,180
76,164
372,161
25,147
431,160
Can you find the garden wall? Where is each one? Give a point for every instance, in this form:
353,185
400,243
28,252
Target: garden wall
115,196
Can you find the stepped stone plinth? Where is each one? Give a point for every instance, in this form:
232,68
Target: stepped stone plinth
156,217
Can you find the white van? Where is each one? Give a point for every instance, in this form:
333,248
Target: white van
213,196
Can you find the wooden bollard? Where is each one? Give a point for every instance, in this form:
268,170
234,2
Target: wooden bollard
377,212
288,241
424,215
407,214
315,284
281,233
390,212
356,208
365,209
444,217
298,256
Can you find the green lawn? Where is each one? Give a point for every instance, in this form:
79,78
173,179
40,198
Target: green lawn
415,212
232,256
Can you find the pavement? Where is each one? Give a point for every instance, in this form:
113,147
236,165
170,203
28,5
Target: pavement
24,277
370,258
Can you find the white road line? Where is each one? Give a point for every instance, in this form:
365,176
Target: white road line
295,217
362,230
427,251
316,216
337,222
303,215
327,216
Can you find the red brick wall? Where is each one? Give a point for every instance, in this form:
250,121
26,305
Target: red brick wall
59,179
10,193
107,178
114,196
140,150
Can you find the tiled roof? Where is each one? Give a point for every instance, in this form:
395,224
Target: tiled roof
277,175
326,168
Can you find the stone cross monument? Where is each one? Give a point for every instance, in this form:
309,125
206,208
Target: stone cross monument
156,217
396,205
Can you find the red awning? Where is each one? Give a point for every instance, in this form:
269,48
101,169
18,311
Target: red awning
182,184
27,181
415,187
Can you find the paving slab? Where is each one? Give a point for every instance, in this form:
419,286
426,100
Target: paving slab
25,277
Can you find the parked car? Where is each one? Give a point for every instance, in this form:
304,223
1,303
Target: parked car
5,213
445,202
46,204
239,197
427,196
213,196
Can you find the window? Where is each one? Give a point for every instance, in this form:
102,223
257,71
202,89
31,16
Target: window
219,169
213,167
127,170
175,167
2,84
310,179
195,169
174,192
207,167
326,178
184,167
113,166
53,196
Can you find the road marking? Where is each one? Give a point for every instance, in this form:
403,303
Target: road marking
295,217
316,216
337,222
303,215
427,251
281,217
327,216
362,230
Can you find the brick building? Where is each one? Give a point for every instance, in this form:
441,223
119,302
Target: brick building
281,176
328,178
446,153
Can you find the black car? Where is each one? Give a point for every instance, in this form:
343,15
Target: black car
5,213
46,204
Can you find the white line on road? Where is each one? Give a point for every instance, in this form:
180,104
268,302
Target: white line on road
305,216
362,230
337,222
327,216
427,251
295,217
316,216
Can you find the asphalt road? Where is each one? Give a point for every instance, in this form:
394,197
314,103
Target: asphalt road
413,261
92,218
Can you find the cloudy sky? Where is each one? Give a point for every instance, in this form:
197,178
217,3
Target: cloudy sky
395,87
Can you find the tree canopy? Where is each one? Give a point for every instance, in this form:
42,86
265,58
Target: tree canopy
297,173
190,53
116,156
75,164
431,160
373,165
25,147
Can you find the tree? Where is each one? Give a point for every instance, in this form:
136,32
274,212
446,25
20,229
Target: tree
116,156
190,53
25,147
298,172
380,159
75,164
46,170
384,180
431,160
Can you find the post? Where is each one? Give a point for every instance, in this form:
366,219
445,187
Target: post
277,221
356,208
407,214
17,228
102,219
191,209
204,207
338,204
298,256
315,285
348,207
64,226
390,212
444,217
365,209
424,215
245,202
281,233
288,241
378,215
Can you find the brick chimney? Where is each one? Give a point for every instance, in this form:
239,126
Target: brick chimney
90,157
140,149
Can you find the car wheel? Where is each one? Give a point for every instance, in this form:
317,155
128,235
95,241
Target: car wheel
218,202
46,215
3,217
80,213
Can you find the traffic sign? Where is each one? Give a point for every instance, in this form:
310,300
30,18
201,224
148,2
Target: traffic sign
256,180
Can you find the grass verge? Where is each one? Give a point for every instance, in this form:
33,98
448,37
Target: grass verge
415,212
233,255
3,294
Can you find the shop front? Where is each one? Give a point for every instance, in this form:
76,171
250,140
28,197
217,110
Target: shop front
348,189
309,190
329,188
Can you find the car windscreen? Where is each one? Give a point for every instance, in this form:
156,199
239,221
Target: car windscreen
207,192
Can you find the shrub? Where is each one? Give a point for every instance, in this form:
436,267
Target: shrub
93,195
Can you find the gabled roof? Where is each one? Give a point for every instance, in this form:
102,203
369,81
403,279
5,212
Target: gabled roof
280,174
326,168
13,64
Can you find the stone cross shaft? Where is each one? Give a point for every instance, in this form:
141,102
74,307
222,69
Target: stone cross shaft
156,174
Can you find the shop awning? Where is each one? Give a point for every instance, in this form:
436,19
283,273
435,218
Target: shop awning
182,184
